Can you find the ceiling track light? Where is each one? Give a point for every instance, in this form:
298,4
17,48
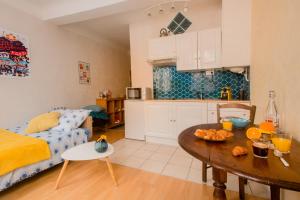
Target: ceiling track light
186,8
173,6
162,8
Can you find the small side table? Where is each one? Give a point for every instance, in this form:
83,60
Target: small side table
86,152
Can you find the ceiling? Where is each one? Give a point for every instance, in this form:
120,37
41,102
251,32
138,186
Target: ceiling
96,19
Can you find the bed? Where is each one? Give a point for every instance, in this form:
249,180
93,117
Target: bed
58,142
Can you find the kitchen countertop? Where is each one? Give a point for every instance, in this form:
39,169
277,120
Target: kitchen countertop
198,100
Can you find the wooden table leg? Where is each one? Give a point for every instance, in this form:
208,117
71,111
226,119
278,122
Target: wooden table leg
242,187
204,172
111,171
275,192
61,173
220,178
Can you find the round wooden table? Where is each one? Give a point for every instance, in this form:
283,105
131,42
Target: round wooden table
268,171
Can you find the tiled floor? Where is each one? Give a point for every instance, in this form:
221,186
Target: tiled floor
172,161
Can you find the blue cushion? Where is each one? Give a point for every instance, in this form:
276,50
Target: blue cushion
94,108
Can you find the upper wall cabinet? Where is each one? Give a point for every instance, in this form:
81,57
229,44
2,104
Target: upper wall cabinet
209,48
198,50
187,51
162,48
236,32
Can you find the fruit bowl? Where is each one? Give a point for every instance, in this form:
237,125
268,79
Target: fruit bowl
239,122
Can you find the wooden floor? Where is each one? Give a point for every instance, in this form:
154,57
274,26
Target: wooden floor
113,135
91,180
88,180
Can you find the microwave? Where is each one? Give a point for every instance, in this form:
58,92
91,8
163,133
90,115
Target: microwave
138,93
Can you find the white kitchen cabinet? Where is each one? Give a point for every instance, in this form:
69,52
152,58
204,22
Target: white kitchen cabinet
134,119
209,48
166,120
163,121
159,119
162,48
189,114
212,117
198,50
236,32
187,51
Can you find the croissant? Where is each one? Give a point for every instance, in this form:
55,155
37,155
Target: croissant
239,151
200,133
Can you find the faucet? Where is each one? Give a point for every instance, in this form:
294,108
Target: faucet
199,95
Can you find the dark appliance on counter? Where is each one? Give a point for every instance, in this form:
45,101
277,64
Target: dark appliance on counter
242,95
143,93
133,93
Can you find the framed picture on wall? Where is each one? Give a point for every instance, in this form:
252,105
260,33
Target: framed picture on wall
84,72
14,54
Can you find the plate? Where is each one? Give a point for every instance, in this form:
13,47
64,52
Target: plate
213,134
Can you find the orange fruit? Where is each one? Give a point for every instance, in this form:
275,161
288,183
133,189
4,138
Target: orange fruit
267,127
253,133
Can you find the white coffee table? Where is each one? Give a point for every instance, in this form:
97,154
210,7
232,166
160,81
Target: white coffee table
86,152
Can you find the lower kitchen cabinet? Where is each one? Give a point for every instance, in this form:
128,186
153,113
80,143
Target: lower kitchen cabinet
162,121
134,119
211,116
159,120
166,120
189,114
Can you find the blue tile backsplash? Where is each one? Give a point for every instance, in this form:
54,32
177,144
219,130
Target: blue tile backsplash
171,84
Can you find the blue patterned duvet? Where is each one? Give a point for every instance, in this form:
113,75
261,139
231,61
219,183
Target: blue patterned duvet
58,143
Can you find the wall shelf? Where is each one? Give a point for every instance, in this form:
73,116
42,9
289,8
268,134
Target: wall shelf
115,108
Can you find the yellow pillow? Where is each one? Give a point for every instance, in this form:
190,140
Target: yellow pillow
43,122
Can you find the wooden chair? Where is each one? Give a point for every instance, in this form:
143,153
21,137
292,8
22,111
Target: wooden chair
252,110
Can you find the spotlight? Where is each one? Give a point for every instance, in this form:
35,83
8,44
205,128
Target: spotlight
167,6
185,9
161,11
172,6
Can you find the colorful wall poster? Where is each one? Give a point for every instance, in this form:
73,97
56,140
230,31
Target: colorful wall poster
84,73
14,54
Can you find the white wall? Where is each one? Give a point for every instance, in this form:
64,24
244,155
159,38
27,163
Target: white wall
275,59
275,63
54,78
203,16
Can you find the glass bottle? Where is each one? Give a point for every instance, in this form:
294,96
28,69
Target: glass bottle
272,113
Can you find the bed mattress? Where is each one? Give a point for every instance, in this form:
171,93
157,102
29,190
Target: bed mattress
58,142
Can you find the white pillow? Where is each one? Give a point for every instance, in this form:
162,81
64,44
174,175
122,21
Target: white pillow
71,119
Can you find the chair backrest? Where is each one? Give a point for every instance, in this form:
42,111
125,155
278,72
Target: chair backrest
252,110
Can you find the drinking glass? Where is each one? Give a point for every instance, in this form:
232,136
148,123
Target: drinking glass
227,125
282,142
